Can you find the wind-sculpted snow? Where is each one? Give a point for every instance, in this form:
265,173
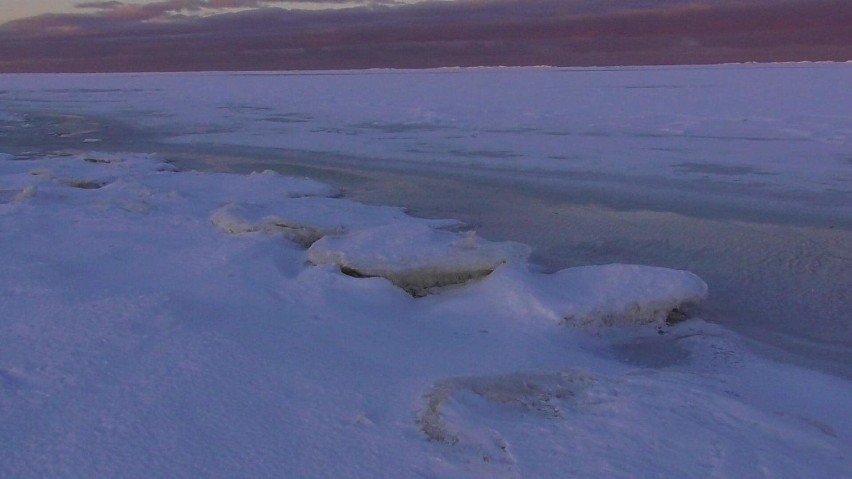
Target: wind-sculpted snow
165,325
604,427
618,294
545,394
415,257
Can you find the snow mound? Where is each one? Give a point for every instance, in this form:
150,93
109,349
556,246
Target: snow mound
306,220
587,296
415,257
619,294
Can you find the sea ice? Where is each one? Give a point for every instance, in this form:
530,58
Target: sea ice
222,188
618,294
415,257
306,220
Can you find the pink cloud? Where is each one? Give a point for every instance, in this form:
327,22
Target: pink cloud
108,5
162,8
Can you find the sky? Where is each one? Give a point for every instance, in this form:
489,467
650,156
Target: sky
190,35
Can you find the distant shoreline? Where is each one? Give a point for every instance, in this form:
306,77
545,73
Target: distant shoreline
440,69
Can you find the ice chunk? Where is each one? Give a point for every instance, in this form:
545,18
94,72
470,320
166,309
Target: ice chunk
589,296
305,220
415,257
250,218
620,294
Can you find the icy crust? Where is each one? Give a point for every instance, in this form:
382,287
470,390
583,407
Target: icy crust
545,394
610,295
94,170
261,187
90,167
415,257
142,183
306,220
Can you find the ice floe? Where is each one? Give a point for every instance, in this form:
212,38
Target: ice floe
415,257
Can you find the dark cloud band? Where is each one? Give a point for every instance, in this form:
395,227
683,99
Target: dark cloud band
159,36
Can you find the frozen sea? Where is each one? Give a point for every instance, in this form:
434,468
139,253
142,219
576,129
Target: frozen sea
740,173
142,304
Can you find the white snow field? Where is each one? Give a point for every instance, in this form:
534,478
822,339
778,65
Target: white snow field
145,337
739,173
622,272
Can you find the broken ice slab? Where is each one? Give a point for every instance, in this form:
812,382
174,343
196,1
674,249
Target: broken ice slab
306,220
415,257
586,296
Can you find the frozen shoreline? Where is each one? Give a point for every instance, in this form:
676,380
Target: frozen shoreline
750,289
776,255
517,208
179,324
159,321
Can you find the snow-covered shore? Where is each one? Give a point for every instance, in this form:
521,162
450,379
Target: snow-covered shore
146,333
739,173
183,324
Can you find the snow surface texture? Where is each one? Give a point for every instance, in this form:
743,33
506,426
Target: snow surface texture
415,258
739,173
164,324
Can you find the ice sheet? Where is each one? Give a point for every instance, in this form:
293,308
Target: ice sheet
584,165
782,129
